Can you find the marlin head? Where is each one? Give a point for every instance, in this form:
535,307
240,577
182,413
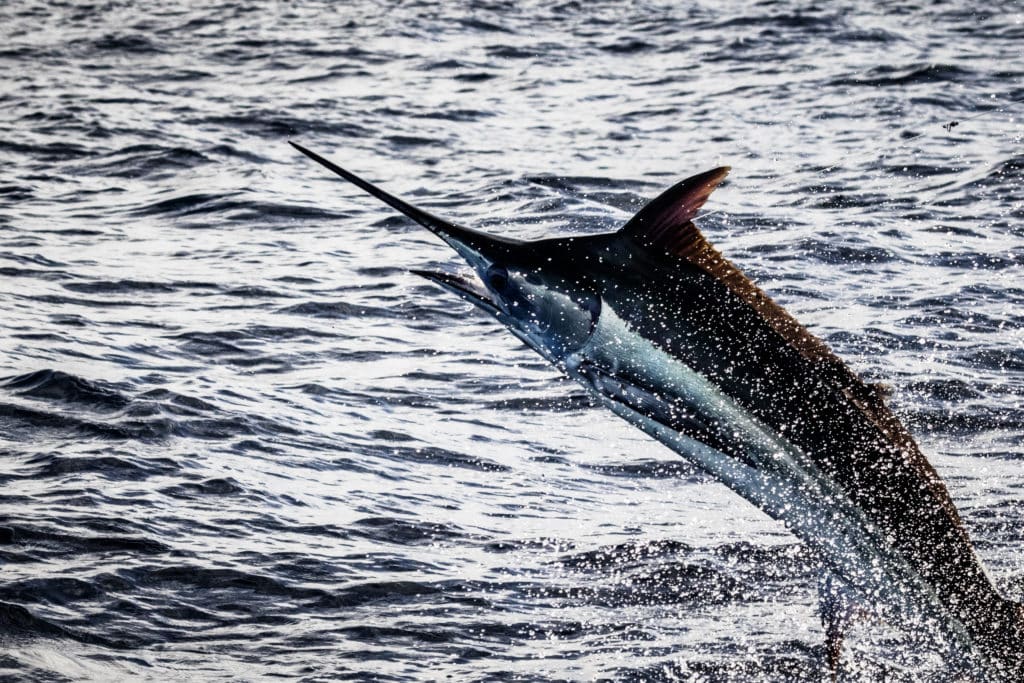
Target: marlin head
543,302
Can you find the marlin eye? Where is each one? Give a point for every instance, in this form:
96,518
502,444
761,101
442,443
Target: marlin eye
497,278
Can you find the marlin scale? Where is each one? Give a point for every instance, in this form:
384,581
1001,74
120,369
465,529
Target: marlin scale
666,333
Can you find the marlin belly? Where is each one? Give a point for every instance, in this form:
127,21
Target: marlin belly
683,410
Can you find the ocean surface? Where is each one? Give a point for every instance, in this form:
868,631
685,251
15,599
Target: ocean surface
239,441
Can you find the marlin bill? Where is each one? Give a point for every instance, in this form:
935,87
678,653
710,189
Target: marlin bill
673,338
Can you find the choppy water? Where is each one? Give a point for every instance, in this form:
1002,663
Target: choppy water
239,441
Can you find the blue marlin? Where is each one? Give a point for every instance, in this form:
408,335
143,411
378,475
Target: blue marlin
666,333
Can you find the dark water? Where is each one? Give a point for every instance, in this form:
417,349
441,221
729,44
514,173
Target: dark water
238,441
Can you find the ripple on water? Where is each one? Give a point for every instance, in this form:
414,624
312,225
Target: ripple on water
238,439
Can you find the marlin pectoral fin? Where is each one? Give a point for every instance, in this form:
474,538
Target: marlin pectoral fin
648,403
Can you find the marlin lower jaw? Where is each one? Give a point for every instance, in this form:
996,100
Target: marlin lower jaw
464,287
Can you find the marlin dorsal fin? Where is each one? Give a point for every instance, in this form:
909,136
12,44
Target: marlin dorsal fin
661,224
665,227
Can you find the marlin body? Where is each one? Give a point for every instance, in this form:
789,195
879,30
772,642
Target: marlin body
674,339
